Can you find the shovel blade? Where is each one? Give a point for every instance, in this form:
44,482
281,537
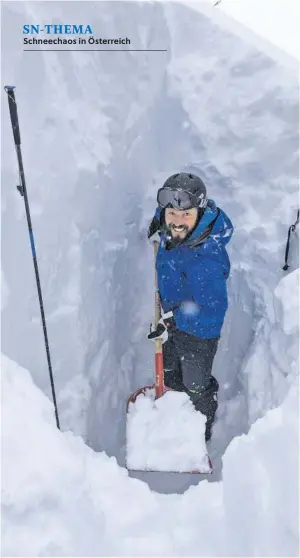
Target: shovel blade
205,468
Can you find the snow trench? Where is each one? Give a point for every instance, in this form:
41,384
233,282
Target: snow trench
99,136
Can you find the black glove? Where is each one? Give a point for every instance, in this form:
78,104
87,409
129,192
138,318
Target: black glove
154,231
165,324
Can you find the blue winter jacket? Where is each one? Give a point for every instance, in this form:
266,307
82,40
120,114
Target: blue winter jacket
192,276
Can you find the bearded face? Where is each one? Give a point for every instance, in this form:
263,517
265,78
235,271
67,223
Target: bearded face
180,222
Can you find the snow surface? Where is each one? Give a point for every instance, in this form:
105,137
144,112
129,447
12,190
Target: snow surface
165,434
100,132
272,23
60,498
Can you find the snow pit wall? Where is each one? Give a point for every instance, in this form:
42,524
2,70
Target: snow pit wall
92,192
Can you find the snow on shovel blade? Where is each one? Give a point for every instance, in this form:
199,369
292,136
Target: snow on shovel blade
165,434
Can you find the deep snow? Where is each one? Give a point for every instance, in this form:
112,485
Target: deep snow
60,498
99,134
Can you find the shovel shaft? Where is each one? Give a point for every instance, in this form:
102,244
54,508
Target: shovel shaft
159,370
159,365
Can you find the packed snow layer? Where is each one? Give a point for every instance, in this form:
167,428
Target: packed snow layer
165,434
60,498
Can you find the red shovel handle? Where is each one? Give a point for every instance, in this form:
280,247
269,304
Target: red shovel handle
159,365
159,373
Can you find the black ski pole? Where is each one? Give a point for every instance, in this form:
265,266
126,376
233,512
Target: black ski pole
287,248
23,191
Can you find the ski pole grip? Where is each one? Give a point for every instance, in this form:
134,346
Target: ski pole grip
13,113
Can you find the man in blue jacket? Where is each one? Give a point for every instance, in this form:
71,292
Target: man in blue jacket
192,269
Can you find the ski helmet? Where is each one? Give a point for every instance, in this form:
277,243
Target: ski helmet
182,191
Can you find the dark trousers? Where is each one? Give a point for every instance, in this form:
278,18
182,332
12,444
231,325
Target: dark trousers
188,362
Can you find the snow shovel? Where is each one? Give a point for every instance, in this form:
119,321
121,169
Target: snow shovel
159,386
140,428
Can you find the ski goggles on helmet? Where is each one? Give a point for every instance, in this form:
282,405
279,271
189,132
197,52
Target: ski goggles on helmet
180,199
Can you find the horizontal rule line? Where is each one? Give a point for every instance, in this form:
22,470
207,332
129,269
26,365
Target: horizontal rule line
96,49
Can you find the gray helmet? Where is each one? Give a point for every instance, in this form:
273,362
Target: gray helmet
182,191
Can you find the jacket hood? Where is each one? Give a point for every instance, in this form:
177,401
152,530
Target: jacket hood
210,213
213,223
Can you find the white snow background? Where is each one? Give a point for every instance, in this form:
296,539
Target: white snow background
100,133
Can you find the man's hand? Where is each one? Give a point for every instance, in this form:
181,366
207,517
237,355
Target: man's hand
165,324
